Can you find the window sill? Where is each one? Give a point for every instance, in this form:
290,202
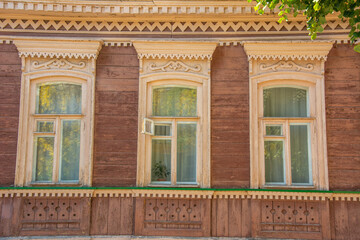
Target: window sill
40,184
174,186
284,187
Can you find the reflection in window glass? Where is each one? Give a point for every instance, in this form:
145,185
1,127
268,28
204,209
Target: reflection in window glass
274,161
163,130
285,102
45,126
59,98
161,160
44,150
70,149
274,130
186,153
299,154
174,102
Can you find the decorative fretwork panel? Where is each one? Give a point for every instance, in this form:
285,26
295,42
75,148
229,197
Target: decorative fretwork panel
53,214
290,216
176,27
173,213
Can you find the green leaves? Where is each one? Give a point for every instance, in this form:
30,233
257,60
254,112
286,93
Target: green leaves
357,48
316,12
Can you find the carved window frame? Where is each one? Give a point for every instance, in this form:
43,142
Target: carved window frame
295,64
170,64
50,61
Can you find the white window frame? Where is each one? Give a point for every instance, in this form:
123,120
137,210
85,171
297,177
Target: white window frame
316,120
175,62
55,60
56,118
286,122
174,121
202,120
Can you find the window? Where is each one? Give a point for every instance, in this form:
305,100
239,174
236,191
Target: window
287,136
57,132
173,146
56,117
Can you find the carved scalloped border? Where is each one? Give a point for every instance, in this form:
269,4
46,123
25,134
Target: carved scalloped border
198,194
131,7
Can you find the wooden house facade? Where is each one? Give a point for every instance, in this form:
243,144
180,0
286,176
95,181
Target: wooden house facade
176,118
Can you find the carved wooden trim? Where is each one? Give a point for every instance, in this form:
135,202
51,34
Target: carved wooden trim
289,50
57,64
175,27
174,66
286,65
192,194
44,48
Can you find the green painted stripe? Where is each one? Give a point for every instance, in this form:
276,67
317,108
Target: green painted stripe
176,189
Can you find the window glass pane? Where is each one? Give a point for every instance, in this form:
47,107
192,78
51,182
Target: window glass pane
161,160
174,101
285,102
163,130
186,153
59,98
44,150
274,130
274,161
70,149
45,126
299,154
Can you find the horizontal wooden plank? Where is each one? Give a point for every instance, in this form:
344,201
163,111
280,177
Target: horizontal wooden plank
8,147
230,136
230,63
343,100
230,174
109,182
342,86
344,179
344,163
229,99
230,112
228,124
101,145
121,133
230,149
230,51
117,72
115,158
343,62
340,149
10,70
114,121
9,122
120,109
230,75
117,96
9,109
13,81
347,112
116,60
218,161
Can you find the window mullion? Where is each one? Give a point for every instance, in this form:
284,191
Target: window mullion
56,163
287,154
173,152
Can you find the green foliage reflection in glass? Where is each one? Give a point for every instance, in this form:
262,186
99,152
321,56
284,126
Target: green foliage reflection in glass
70,149
45,126
285,102
299,153
274,130
274,161
174,102
59,98
44,156
186,152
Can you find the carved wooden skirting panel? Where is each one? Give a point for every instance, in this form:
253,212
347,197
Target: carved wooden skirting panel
54,215
290,216
291,219
174,27
172,217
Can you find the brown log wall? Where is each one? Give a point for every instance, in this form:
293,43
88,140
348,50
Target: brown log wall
342,91
116,114
218,217
10,81
230,145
